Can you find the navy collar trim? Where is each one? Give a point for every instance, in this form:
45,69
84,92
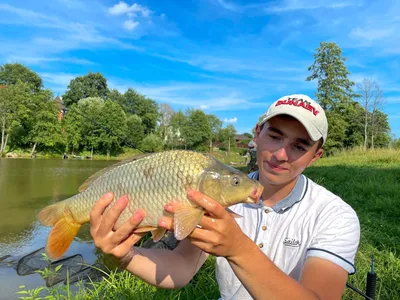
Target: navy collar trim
295,196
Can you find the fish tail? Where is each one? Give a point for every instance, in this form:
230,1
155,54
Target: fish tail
64,229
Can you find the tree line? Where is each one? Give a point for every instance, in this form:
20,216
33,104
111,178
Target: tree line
92,117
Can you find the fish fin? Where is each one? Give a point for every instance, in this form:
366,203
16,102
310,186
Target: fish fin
233,214
96,175
49,215
144,229
158,234
60,237
186,218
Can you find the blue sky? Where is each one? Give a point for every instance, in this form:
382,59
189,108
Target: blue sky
231,58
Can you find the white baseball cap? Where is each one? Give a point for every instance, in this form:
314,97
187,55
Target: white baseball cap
305,110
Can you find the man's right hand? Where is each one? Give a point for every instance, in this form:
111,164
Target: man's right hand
118,243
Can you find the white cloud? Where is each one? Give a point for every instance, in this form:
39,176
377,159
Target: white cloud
130,24
372,34
231,120
122,8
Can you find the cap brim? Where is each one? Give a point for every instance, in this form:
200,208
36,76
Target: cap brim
312,131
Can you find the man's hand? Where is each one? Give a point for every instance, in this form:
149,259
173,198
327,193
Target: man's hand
219,234
119,243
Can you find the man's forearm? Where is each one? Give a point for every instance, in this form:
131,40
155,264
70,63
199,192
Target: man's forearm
263,279
165,268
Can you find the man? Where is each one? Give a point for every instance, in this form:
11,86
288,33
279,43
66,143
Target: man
298,242
251,162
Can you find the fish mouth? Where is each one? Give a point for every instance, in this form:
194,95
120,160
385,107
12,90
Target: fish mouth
255,194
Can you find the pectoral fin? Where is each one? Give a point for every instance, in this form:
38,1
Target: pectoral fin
186,218
158,234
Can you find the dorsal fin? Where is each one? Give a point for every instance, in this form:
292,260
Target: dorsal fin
96,175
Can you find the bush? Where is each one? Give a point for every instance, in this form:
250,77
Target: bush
152,143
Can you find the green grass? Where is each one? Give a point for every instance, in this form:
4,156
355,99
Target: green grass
368,181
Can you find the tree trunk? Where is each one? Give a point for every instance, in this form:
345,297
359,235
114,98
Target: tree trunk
211,146
108,154
372,129
365,130
33,150
3,129
5,143
91,154
229,145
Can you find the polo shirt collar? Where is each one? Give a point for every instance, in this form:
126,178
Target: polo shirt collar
296,195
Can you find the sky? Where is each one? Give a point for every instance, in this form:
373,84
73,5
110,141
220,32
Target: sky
231,58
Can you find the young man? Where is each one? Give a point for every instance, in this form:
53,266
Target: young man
298,242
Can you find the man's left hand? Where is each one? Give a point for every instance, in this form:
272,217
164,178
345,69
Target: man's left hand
219,234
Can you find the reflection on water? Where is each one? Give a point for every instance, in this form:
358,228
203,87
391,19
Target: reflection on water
26,186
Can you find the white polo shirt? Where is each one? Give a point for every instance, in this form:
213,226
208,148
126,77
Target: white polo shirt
310,221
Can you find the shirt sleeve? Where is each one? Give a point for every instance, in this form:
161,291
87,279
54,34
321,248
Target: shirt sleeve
337,237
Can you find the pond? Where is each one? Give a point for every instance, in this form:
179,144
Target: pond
26,186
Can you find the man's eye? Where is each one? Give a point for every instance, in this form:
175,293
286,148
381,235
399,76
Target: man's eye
300,148
274,137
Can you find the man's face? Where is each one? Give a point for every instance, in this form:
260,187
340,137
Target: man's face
284,150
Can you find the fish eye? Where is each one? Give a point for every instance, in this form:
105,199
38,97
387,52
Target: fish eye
235,181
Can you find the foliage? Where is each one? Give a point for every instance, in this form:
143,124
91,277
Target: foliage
335,94
196,130
10,74
152,143
134,130
90,85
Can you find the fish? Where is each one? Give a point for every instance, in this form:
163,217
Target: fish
150,182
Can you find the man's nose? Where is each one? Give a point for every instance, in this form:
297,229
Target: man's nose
281,154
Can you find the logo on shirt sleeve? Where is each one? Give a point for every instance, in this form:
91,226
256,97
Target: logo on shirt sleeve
289,242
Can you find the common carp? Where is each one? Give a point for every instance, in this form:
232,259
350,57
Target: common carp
150,182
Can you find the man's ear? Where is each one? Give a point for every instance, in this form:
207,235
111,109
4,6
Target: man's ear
258,130
317,155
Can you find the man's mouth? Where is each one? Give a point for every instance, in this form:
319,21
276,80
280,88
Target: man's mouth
276,168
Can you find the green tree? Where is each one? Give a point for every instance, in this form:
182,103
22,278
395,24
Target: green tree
135,130
334,87
46,129
178,121
196,131
215,126
227,135
145,108
90,85
73,126
152,143
10,74
13,110
380,130
91,110
335,94
113,121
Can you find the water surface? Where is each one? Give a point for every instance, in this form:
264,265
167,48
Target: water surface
26,186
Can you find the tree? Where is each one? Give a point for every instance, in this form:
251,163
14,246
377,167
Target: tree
334,88
178,121
13,109
90,85
380,129
73,126
145,108
152,143
196,131
215,126
10,74
334,94
46,129
114,127
166,113
227,134
135,130
377,103
367,90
